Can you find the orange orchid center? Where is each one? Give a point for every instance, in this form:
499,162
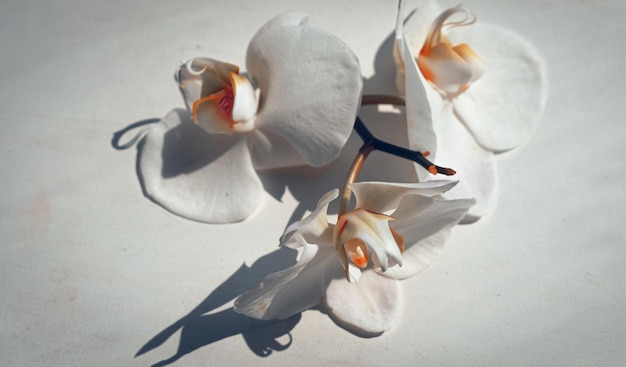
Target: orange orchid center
449,68
356,250
228,101
360,232
222,100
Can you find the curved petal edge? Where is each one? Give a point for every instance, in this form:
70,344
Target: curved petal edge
503,107
367,308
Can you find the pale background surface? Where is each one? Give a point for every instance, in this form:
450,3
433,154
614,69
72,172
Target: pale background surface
91,270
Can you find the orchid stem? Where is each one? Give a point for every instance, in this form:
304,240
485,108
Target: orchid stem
372,143
412,155
371,99
346,193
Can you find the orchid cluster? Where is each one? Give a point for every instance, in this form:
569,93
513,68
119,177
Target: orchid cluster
470,91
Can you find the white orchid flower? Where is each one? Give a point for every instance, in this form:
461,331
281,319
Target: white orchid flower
472,90
371,302
295,106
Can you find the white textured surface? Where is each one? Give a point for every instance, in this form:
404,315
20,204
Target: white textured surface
91,270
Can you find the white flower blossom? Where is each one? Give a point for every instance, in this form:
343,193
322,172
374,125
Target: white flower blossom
471,89
295,106
421,223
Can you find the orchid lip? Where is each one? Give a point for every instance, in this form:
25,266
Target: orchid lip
361,232
228,101
451,69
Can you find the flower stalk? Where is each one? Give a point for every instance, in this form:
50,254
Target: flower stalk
372,143
346,193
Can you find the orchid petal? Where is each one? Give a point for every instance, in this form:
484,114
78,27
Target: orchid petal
426,224
419,112
354,273
421,255
502,108
245,103
475,167
382,197
190,172
315,226
295,289
474,62
371,306
418,23
287,19
271,150
310,83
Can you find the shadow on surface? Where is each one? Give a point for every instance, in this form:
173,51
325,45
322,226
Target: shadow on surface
118,135
200,328
384,79
187,147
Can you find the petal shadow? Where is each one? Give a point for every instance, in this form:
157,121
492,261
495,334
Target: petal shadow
187,148
384,79
200,327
